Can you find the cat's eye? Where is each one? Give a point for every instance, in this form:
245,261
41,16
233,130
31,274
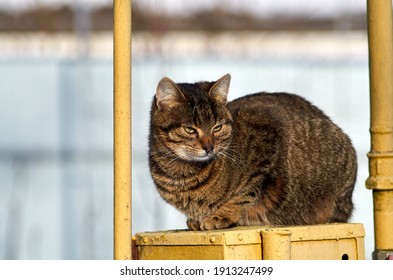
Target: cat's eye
189,130
217,128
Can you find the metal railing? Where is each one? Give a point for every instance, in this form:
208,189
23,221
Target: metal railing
122,128
380,40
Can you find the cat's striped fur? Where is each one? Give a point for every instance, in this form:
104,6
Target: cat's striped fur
263,159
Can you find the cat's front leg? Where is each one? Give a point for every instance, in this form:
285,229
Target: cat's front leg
193,224
225,217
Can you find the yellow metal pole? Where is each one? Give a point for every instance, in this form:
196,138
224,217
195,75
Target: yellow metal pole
122,128
380,37
276,244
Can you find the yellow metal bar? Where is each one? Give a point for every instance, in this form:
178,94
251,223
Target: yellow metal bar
380,36
122,128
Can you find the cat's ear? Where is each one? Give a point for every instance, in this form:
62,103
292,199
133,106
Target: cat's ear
219,90
168,94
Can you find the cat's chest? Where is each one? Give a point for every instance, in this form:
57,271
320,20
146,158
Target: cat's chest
201,198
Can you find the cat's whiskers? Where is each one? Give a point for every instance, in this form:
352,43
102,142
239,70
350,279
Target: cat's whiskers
231,153
163,157
230,157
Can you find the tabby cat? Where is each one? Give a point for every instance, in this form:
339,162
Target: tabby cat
263,159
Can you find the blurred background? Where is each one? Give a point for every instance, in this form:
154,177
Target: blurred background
56,90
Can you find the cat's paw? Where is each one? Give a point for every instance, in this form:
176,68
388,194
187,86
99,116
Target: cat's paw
193,224
217,222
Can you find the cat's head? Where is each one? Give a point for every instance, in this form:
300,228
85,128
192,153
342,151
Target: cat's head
191,121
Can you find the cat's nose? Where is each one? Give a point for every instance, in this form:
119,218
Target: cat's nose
208,147
207,144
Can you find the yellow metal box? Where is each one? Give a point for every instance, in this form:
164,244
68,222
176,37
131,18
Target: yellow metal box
322,242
